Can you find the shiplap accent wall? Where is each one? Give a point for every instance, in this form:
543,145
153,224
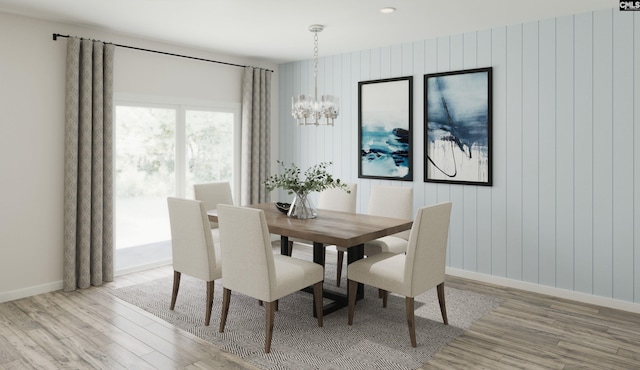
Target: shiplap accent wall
564,210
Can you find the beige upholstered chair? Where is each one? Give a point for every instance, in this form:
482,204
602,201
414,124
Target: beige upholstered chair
251,268
335,199
412,274
386,201
194,251
212,194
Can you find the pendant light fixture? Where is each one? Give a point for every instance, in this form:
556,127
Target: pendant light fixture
309,110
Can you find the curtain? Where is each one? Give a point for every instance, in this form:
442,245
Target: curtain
256,137
88,168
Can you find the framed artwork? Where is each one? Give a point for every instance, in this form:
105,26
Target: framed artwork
457,120
385,118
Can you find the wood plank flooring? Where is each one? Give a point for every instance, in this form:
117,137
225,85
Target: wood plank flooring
91,329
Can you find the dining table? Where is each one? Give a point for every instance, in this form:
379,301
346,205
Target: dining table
342,229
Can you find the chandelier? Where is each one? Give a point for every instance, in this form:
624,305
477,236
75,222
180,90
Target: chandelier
308,110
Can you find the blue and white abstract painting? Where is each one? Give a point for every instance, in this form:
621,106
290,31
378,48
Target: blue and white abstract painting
385,128
458,120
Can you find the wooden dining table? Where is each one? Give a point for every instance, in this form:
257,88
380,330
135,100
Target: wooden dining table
343,229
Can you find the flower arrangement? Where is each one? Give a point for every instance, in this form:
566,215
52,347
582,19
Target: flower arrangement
316,178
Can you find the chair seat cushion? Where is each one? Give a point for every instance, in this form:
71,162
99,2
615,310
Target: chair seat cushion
293,274
390,244
384,271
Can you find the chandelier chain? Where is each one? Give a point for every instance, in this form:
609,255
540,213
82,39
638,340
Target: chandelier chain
314,110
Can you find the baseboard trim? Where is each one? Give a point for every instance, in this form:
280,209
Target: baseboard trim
147,266
30,291
550,291
58,285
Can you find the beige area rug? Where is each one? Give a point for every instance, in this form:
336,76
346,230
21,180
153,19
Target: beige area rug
378,338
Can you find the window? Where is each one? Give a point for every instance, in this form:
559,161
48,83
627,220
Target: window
161,150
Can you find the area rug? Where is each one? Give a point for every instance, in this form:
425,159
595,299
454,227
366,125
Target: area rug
378,338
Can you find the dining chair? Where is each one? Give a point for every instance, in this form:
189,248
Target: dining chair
251,268
334,199
386,201
193,248
412,274
212,194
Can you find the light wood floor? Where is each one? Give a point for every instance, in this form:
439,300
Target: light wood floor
92,329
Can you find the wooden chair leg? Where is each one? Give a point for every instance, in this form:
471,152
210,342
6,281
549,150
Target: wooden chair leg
385,294
339,267
411,321
176,287
210,288
226,297
353,287
317,299
443,307
270,315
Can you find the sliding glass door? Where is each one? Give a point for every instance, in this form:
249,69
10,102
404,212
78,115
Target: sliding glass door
161,151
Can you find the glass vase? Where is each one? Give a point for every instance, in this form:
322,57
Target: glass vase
302,207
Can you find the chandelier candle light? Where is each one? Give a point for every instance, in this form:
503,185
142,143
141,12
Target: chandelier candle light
308,110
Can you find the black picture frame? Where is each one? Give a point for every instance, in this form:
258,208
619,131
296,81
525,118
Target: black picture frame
457,125
385,137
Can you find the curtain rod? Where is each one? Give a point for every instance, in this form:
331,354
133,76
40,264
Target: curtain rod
56,35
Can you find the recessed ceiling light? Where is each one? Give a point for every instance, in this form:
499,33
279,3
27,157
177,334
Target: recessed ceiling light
387,10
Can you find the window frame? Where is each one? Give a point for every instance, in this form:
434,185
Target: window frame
181,106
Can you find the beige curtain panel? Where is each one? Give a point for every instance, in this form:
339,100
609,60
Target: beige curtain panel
88,177
256,134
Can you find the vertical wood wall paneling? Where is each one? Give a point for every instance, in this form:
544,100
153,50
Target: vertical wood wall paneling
418,55
325,86
636,160
565,157
499,152
547,133
564,204
622,155
484,210
584,152
443,64
456,192
430,66
603,153
514,152
470,193
531,80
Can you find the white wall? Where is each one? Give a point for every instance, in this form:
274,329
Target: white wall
32,69
564,210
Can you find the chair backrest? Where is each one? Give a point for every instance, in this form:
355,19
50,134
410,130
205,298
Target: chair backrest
212,194
249,267
191,241
337,199
427,248
392,201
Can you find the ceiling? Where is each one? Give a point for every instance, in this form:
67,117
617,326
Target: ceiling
277,30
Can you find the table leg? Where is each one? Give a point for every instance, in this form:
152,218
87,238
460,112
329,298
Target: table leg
339,300
284,245
318,253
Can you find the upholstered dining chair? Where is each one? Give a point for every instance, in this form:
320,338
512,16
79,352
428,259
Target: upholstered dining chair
193,248
251,268
386,201
412,274
334,199
212,194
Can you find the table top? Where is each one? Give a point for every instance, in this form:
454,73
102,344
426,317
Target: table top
330,227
